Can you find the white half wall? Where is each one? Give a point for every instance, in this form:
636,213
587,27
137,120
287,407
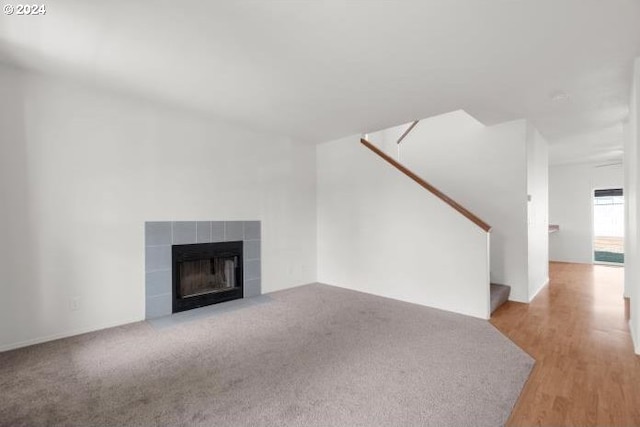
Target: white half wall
380,232
485,170
537,210
571,207
632,190
630,209
81,170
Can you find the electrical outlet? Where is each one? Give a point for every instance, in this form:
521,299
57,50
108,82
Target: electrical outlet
74,303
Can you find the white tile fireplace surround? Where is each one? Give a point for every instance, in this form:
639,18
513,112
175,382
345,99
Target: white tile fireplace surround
160,235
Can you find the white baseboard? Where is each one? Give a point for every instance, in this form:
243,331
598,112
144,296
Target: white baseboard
67,334
572,261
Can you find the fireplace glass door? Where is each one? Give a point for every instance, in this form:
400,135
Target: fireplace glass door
206,273
209,275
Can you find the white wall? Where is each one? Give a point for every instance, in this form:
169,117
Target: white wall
380,232
632,189
630,206
571,207
537,210
484,169
80,172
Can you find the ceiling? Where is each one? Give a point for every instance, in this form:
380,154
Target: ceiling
602,146
318,70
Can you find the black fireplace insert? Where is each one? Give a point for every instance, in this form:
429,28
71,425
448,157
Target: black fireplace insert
206,273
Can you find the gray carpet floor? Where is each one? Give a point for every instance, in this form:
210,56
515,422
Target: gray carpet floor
309,356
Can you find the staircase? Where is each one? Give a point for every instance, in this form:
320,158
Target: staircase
499,295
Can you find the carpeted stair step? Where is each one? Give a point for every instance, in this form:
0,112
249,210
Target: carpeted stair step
499,295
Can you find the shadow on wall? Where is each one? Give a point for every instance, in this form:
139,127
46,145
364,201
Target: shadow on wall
22,304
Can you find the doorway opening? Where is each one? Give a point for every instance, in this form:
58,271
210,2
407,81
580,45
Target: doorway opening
608,226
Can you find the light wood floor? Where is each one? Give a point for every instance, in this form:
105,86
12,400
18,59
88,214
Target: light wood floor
577,329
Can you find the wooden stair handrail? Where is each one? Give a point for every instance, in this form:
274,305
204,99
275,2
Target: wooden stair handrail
439,194
406,132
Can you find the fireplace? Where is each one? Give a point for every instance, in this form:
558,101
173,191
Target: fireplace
206,273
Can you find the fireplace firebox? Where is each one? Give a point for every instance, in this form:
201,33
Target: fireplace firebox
206,273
